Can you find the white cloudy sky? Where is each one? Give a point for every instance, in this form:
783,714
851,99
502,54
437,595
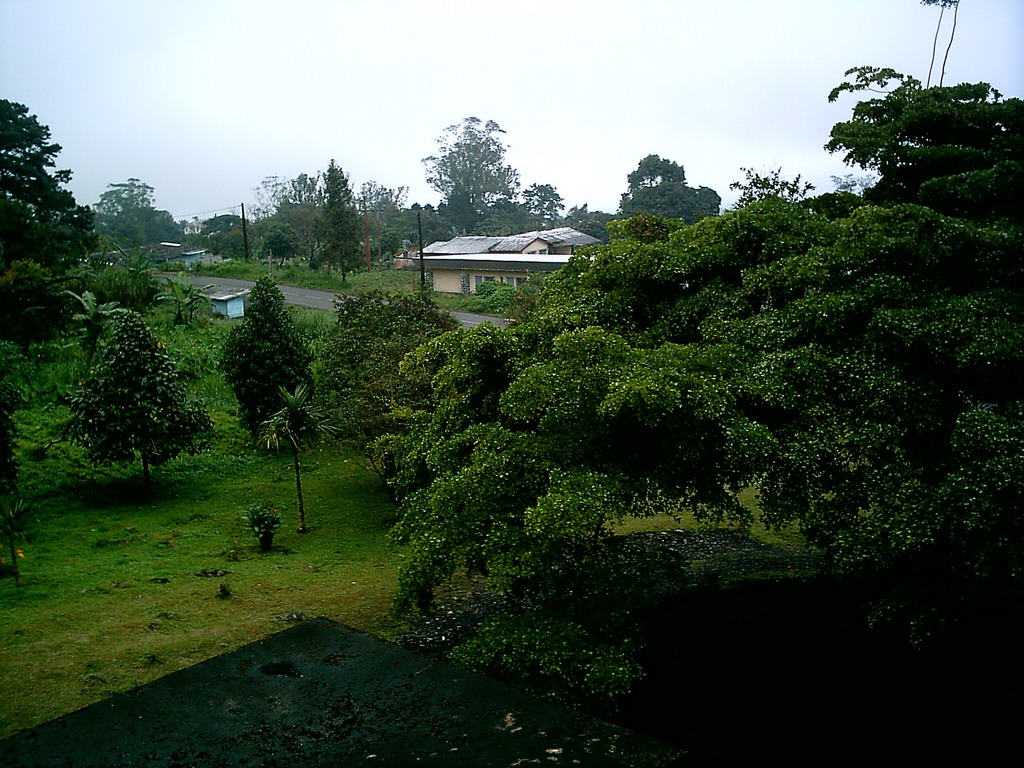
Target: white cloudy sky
203,99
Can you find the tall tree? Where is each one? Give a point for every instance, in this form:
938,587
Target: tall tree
340,222
125,213
470,172
544,204
135,405
658,187
382,206
39,219
943,5
263,353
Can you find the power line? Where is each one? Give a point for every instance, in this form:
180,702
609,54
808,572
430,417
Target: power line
202,213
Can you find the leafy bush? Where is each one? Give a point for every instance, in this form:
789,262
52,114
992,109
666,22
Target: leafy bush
263,520
491,298
552,657
132,283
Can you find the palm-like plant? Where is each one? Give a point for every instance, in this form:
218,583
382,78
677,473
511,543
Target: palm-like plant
187,297
93,320
299,423
13,511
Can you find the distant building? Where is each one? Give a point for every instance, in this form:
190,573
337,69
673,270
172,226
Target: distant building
176,252
463,264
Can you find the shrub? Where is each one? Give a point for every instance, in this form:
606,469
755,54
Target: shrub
491,298
263,520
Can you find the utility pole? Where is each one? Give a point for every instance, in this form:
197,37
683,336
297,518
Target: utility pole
366,236
245,233
423,273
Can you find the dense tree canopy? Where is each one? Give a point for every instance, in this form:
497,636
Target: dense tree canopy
658,187
39,219
956,149
857,365
125,213
358,365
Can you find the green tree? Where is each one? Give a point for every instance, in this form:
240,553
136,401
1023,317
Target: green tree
32,306
358,368
759,186
300,203
280,241
953,148
593,223
125,213
860,372
299,423
544,204
263,353
341,223
39,219
383,208
135,405
470,172
659,187
223,235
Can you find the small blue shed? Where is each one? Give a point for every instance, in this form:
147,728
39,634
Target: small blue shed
229,302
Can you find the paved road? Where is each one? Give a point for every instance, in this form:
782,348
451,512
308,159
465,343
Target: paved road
307,297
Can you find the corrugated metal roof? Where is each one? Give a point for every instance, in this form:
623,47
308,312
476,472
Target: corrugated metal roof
465,244
555,237
473,244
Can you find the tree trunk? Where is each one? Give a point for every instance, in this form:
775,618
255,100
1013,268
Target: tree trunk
298,493
14,562
145,468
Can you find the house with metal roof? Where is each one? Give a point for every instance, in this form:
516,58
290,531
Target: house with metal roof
463,264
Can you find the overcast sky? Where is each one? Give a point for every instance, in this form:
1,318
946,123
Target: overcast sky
202,100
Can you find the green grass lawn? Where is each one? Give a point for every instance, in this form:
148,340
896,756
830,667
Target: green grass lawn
110,596
301,276
111,599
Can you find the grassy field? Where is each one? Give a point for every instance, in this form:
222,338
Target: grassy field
377,279
111,597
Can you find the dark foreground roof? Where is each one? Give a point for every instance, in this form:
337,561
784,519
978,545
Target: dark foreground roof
320,694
